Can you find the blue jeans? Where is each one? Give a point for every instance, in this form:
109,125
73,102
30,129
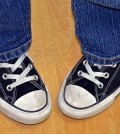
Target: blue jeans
15,28
97,25
97,28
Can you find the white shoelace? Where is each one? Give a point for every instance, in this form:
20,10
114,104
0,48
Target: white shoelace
91,75
19,78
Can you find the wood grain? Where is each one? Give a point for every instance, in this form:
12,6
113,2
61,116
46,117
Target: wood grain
55,50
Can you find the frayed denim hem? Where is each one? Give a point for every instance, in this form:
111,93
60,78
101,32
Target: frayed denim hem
17,52
100,60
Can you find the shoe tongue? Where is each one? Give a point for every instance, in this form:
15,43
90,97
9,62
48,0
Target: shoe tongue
12,61
99,66
96,67
18,70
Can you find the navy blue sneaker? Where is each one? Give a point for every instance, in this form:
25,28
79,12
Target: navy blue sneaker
89,89
23,95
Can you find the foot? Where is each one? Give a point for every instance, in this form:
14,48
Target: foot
23,95
89,89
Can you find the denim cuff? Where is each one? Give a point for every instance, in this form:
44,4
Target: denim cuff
97,29
108,3
17,48
100,60
4,57
15,28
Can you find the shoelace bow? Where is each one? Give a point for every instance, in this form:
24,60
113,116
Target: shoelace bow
19,78
91,75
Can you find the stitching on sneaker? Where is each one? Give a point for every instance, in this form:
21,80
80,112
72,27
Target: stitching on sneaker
3,91
33,82
110,81
70,76
72,82
14,91
96,87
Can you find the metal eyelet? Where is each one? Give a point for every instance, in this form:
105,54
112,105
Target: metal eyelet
114,65
79,73
4,76
106,75
100,86
84,62
9,88
30,65
36,77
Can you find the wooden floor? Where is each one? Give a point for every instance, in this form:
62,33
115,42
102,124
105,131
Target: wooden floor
55,50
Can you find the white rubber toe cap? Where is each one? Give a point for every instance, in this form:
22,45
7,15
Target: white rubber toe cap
32,101
79,97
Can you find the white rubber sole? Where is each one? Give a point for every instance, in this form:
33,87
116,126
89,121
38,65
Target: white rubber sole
25,117
88,112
